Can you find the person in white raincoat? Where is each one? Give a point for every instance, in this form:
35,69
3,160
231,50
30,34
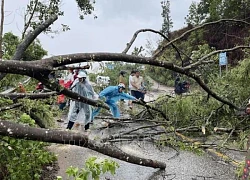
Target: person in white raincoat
79,111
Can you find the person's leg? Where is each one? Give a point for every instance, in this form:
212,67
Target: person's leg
86,126
141,95
70,125
72,117
62,105
133,93
137,94
95,113
114,109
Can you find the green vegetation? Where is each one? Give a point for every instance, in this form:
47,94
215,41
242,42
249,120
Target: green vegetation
93,169
21,159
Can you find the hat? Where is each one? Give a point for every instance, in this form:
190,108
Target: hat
121,85
82,75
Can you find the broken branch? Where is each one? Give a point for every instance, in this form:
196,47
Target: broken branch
22,131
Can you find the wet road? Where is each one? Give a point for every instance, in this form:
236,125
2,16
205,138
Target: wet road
185,166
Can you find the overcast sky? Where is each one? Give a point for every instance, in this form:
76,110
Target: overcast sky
116,23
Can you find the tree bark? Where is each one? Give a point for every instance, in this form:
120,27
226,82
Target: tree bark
21,48
38,121
21,131
29,95
12,106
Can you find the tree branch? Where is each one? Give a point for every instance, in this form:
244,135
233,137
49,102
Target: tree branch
38,120
62,90
156,32
37,69
201,60
31,36
12,106
21,48
29,95
57,61
26,24
21,131
68,67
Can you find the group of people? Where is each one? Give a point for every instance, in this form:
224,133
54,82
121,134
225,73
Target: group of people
78,82
82,113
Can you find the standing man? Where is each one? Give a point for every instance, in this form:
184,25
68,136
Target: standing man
130,86
112,94
137,89
79,111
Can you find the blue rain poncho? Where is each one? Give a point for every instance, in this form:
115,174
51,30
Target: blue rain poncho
79,111
112,95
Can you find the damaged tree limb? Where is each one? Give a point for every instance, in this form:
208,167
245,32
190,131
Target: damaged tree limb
40,68
29,95
21,48
22,131
12,106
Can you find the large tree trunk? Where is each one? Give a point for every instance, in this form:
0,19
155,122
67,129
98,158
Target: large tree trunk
21,48
68,137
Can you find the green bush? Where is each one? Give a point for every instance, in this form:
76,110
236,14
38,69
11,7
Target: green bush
93,169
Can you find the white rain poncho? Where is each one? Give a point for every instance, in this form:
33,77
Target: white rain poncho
85,110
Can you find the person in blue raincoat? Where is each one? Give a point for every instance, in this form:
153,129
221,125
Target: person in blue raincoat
81,112
112,94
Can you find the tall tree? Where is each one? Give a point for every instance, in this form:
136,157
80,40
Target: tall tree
167,21
195,15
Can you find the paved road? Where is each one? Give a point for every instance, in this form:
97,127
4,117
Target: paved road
186,166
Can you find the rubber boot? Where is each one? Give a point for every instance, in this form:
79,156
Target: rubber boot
86,126
70,125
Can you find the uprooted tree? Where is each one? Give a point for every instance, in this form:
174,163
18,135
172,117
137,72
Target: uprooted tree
40,70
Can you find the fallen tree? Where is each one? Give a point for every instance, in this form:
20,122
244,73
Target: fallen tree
40,69
22,131
29,95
